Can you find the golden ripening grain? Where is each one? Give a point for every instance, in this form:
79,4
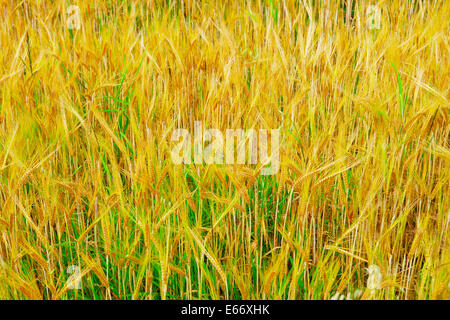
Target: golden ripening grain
94,96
